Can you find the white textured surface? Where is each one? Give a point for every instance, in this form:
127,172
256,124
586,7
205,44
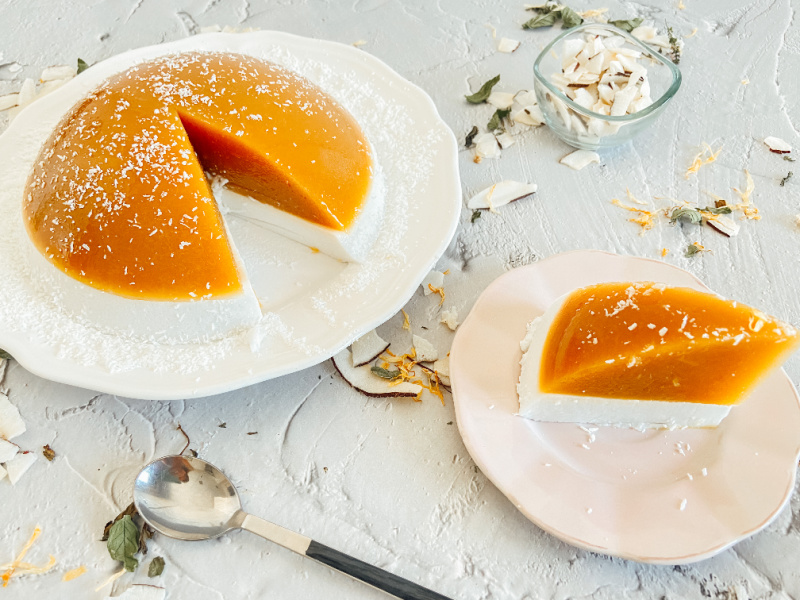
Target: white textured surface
390,481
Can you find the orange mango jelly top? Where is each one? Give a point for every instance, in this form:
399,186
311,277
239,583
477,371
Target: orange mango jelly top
118,198
649,341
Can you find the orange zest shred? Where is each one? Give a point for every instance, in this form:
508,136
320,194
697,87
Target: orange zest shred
439,291
746,206
314,250
664,252
20,568
705,156
633,199
74,573
644,218
406,321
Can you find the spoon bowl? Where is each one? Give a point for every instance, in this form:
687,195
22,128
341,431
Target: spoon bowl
187,498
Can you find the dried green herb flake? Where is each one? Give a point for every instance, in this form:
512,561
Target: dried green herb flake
476,214
569,18
483,94
627,24
685,214
496,122
785,179
123,542
542,20
156,567
386,374
82,66
468,141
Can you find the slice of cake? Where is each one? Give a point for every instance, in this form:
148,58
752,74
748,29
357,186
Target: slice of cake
646,355
118,200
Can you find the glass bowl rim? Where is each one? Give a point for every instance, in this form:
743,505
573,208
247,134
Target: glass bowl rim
663,99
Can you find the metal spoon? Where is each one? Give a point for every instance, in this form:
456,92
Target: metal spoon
189,499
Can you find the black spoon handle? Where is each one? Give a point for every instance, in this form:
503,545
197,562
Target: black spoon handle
357,569
370,574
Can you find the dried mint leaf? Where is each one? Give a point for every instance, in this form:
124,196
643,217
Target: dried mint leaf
717,210
476,214
82,66
542,20
471,136
156,567
675,48
4,354
386,374
785,179
685,214
788,158
496,122
483,94
48,452
627,24
692,250
123,542
129,510
569,18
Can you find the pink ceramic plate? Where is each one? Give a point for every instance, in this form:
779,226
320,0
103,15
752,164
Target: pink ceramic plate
665,497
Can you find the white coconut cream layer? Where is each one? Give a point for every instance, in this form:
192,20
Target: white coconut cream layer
351,245
201,320
562,408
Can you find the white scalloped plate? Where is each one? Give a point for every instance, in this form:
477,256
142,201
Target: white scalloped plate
316,306
663,497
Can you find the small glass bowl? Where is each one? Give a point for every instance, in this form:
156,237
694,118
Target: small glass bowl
582,128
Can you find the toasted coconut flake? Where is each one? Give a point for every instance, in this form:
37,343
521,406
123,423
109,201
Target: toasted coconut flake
369,384
579,159
704,157
435,279
406,320
11,423
508,45
691,34
529,115
359,43
368,347
8,101
745,81
777,145
501,194
525,98
425,351
501,100
58,72
506,140
748,210
723,223
486,146
8,450
450,317
442,368
141,591
19,465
